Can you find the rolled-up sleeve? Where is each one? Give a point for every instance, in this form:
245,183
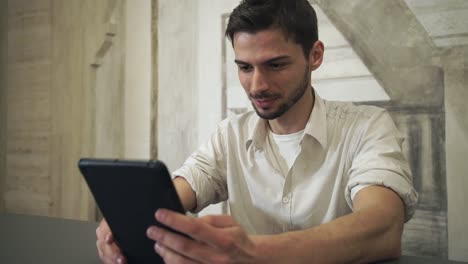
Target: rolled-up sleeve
379,160
205,171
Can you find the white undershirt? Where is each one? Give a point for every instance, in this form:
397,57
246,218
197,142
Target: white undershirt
285,148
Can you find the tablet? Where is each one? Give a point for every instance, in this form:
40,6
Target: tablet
128,193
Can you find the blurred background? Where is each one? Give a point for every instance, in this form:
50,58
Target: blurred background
151,79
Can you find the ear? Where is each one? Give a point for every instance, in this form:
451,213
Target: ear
316,55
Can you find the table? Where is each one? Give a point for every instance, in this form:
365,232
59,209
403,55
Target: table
34,239
28,239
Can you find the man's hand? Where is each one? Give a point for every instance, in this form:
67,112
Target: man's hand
108,250
216,239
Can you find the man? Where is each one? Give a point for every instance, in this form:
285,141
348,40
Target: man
308,181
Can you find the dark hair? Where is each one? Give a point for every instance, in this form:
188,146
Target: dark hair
296,18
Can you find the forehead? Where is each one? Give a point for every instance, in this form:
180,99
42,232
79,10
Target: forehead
263,45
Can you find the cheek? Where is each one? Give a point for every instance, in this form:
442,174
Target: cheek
244,81
289,78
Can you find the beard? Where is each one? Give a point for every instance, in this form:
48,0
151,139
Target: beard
296,94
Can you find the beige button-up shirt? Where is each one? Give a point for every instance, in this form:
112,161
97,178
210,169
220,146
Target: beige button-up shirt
344,148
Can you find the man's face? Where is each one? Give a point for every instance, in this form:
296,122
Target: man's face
273,71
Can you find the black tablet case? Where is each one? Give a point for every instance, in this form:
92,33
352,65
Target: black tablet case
128,194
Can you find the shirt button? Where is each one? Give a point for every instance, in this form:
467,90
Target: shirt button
285,200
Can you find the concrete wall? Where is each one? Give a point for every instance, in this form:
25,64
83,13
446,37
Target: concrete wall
397,49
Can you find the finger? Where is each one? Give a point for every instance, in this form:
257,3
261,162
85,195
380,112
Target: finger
220,221
110,253
193,227
109,238
170,256
103,230
181,246
105,259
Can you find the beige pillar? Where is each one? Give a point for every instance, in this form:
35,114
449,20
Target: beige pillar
177,38
137,80
456,112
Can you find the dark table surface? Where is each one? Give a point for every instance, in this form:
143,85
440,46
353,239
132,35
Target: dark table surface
35,239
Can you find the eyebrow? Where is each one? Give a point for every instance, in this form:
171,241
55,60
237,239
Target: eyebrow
272,60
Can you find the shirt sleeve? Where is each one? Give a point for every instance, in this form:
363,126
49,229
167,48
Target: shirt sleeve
205,171
379,160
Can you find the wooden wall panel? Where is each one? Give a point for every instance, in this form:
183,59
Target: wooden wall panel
3,94
67,71
28,112
27,6
154,80
86,116
95,29
58,101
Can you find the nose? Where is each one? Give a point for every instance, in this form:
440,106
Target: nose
259,82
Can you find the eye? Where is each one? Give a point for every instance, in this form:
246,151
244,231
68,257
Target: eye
276,66
244,67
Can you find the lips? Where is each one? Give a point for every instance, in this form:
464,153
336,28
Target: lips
265,102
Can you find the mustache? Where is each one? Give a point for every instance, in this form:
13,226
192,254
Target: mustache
263,96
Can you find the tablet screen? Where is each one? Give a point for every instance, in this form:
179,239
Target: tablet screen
128,193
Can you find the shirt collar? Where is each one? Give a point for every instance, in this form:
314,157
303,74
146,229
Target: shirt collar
316,126
257,133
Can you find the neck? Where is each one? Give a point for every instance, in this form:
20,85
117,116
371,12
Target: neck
295,119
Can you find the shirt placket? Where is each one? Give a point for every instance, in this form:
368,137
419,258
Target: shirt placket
287,201
287,205
288,192
278,174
